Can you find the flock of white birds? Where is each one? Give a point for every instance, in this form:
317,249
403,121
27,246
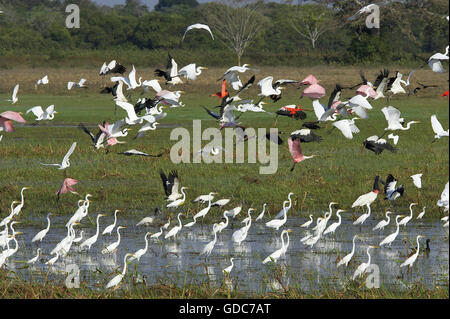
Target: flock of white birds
176,196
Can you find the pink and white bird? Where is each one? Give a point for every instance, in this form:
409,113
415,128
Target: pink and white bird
67,187
368,198
309,80
365,90
6,119
296,151
314,91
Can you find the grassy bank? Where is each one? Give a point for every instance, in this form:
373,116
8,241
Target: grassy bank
13,288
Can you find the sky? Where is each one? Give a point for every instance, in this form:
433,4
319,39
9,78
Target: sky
149,3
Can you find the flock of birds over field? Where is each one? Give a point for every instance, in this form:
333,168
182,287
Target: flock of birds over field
146,113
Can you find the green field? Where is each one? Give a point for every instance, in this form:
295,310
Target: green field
341,172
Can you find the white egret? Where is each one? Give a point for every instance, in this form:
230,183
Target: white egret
383,223
110,228
39,236
78,239
389,239
53,260
363,217
260,216
197,26
405,220
80,84
174,231
65,162
8,218
190,224
277,223
166,225
443,202
90,241
191,71
233,212
138,254
434,62
279,252
210,246
179,202
309,222
117,279
42,81
113,247
222,225
392,116
240,234
394,138
363,267
332,228
19,207
347,258
158,234
33,260
221,202
204,198
417,180
228,269
205,210
437,128
14,98
422,213
41,115
410,261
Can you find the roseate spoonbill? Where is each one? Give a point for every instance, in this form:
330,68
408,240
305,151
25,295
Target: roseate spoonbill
295,149
67,187
6,119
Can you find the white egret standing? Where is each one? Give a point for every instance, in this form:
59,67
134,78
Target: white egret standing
174,231
90,241
39,236
117,279
383,223
405,220
363,217
260,216
210,246
347,258
138,254
110,228
279,252
228,269
112,247
410,261
389,239
422,213
332,228
363,267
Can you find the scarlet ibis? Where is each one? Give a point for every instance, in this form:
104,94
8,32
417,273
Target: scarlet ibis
292,111
223,92
446,93
296,151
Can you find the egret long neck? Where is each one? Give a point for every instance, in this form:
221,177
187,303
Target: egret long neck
124,271
48,223
98,226
368,254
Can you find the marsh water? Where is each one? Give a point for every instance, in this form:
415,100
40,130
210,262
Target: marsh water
179,261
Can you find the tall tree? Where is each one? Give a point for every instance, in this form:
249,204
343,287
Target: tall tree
311,21
236,23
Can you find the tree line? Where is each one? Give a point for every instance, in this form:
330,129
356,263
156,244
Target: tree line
268,33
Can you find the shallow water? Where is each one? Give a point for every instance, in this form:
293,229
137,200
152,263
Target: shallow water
179,260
